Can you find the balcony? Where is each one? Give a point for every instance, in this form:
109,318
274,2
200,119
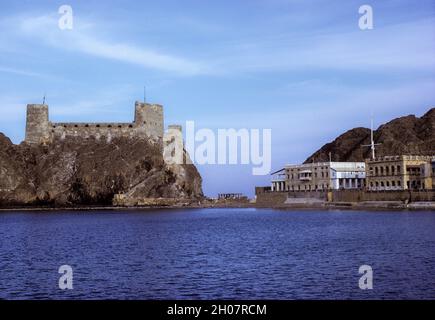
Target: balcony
305,175
305,178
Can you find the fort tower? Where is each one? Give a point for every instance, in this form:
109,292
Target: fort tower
37,123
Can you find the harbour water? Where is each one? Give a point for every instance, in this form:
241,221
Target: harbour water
217,254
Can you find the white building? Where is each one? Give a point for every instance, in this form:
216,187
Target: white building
319,176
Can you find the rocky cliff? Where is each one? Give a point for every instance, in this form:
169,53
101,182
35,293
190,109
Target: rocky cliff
405,135
90,172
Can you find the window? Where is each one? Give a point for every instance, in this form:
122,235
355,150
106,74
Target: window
376,171
382,183
388,183
393,183
398,183
398,169
382,170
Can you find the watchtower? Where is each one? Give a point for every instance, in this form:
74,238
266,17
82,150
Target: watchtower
37,124
149,119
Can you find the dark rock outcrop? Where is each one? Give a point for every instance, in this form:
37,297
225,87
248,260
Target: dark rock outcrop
90,172
405,135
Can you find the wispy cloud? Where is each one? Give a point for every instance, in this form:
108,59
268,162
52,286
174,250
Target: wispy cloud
25,73
406,46
401,46
82,39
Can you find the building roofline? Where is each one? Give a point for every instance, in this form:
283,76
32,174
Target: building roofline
277,171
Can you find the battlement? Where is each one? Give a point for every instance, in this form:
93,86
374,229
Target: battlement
148,123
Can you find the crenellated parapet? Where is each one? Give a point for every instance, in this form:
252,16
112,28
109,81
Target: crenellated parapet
148,123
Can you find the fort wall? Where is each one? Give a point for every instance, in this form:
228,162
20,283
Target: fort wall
148,123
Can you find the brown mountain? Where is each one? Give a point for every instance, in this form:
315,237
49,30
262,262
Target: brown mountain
90,172
405,135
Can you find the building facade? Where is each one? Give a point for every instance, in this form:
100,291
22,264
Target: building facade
400,173
320,176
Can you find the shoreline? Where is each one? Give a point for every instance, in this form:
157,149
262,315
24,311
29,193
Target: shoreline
348,206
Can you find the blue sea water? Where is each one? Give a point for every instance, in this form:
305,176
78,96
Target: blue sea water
217,254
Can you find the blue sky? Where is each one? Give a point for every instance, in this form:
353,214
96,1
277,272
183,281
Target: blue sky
300,67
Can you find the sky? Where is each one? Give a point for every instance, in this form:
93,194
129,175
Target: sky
302,68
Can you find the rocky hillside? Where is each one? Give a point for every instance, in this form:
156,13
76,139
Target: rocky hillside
90,172
405,135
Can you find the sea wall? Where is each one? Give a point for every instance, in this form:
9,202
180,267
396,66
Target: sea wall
396,195
271,199
266,198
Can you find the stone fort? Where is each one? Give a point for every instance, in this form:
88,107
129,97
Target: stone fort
148,123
